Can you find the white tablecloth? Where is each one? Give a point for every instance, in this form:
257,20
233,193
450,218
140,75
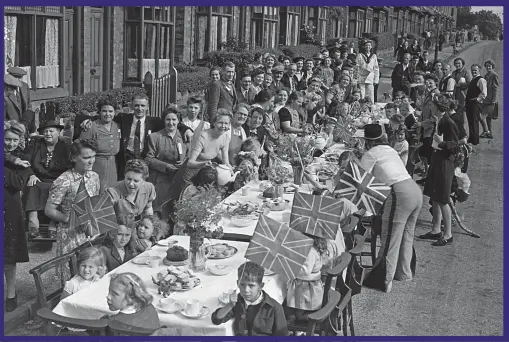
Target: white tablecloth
90,303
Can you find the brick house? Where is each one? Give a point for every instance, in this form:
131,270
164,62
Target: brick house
80,49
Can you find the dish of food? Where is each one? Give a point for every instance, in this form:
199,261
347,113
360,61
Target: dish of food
222,251
220,270
167,243
243,220
141,260
177,253
175,279
242,209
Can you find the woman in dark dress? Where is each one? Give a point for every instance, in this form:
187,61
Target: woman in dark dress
441,173
15,243
49,157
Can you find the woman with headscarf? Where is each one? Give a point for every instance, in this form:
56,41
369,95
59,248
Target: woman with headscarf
396,258
441,172
15,242
490,103
368,61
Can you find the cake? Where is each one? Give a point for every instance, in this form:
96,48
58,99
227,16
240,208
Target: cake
177,253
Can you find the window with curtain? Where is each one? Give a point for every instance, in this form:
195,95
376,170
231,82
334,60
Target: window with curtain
221,27
264,23
156,31
359,29
323,15
369,21
289,25
41,51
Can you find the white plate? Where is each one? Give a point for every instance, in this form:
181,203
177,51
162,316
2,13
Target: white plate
203,312
167,243
141,260
217,270
178,307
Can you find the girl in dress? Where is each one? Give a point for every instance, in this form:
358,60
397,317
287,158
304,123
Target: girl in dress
305,293
248,161
128,295
91,268
400,144
119,246
149,230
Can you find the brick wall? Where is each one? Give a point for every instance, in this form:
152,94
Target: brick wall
117,50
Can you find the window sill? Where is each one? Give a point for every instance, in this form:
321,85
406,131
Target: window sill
49,93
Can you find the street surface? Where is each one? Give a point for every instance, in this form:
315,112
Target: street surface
458,289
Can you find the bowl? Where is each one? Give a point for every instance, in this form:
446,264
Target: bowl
242,220
220,270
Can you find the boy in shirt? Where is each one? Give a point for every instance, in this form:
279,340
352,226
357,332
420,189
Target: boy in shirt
253,311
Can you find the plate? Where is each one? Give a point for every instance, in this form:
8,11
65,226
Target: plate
203,312
220,270
141,260
242,220
167,243
177,307
174,263
224,257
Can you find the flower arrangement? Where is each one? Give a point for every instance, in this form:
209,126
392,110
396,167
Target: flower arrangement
298,151
200,212
278,173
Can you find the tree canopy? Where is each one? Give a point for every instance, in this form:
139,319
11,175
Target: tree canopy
488,22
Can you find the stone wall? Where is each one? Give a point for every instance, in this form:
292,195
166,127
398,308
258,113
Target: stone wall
117,50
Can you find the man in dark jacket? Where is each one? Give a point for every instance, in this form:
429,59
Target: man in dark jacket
402,76
222,93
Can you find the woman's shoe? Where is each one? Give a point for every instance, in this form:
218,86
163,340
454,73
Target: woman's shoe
11,303
430,236
489,135
443,242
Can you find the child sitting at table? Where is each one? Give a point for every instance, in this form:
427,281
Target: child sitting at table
91,267
400,144
305,293
149,230
128,294
254,312
119,246
248,161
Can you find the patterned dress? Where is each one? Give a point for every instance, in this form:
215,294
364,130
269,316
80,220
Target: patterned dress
62,194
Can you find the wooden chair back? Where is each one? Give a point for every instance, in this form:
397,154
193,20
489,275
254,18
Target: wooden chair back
324,316
97,327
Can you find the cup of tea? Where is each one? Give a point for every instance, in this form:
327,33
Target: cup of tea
244,191
154,261
193,307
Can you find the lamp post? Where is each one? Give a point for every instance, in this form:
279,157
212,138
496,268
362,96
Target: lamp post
437,38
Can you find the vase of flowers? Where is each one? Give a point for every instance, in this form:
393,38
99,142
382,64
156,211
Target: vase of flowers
279,172
200,215
298,151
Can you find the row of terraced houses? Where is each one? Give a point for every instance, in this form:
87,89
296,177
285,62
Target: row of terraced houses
75,50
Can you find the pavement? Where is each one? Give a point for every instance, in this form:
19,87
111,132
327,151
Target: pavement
458,289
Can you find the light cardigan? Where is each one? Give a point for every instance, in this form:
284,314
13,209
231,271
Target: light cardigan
369,63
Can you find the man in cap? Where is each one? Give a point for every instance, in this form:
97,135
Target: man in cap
24,90
13,108
277,74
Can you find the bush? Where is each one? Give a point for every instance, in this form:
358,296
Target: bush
193,81
88,102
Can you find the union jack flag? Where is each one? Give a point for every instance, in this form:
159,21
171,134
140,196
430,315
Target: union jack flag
277,247
344,129
94,215
316,215
362,189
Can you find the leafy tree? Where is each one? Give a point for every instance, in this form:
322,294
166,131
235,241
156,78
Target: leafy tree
488,22
465,17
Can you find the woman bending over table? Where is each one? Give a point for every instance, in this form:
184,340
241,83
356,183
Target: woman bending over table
133,195
63,193
213,143
396,256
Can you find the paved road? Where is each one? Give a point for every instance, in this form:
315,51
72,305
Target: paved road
458,289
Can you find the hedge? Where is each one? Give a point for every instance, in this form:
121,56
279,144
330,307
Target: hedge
194,81
88,102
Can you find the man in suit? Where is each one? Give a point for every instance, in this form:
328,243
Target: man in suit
13,107
277,74
24,90
425,65
222,93
402,76
290,79
134,129
246,93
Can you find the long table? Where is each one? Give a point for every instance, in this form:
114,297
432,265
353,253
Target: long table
90,302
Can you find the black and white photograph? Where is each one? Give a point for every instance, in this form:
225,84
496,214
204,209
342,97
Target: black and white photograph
253,171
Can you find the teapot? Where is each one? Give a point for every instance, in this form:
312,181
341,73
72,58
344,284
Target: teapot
225,174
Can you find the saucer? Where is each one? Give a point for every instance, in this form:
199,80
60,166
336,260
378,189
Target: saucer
177,307
167,243
141,260
203,312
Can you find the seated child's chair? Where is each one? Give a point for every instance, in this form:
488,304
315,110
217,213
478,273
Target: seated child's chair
319,322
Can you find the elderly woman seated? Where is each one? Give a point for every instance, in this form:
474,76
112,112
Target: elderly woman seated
49,158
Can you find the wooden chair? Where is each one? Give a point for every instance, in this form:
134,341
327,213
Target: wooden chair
117,328
355,273
323,317
49,301
98,242
96,327
335,273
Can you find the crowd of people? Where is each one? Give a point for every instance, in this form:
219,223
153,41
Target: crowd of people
429,127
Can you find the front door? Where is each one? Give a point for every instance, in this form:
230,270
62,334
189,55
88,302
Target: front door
96,49
69,51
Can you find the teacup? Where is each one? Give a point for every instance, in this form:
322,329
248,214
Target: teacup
169,304
193,307
154,261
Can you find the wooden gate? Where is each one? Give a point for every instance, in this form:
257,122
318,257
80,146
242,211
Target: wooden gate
161,91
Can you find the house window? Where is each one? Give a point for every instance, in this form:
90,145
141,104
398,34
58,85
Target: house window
211,34
32,42
264,24
369,21
360,23
322,23
148,40
394,23
290,25
379,22
337,28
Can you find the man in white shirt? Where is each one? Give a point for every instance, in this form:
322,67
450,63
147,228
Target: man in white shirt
246,93
447,84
